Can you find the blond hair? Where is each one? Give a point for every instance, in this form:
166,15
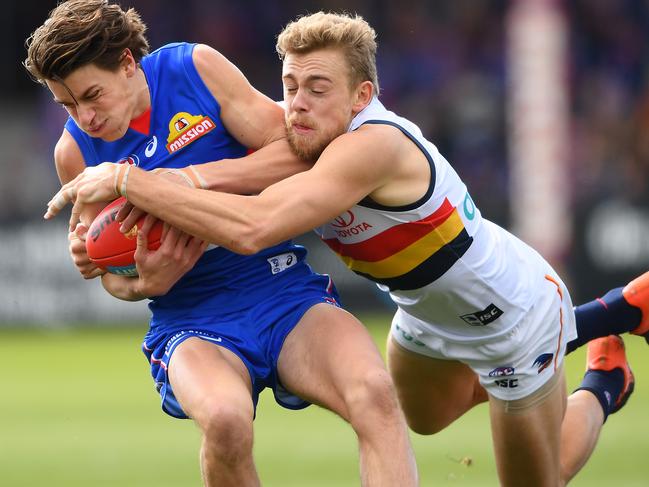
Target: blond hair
82,32
323,30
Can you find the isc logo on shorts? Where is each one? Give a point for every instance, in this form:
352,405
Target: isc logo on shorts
507,383
282,262
484,317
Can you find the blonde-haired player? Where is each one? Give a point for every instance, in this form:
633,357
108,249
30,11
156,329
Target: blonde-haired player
481,315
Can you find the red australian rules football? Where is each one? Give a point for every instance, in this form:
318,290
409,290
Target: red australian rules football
112,250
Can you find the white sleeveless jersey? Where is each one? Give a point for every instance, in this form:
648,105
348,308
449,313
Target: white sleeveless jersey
442,263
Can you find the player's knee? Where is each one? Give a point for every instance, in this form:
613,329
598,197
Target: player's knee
479,394
372,394
227,433
426,424
426,415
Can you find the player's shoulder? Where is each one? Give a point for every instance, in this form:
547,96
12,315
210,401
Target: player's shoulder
170,48
68,158
376,138
66,148
219,74
352,152
205,56
168,55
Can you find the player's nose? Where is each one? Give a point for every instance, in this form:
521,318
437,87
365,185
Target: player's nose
86,114
299,101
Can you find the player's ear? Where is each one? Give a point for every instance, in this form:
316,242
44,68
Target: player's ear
363,96
127,62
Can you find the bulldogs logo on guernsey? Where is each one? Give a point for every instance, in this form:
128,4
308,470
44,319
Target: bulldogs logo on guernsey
185,120
185,129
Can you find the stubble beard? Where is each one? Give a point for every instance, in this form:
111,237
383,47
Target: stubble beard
306,148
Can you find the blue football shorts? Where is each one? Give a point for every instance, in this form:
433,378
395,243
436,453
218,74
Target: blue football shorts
255,334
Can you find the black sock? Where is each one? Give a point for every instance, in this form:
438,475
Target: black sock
605,385
609,315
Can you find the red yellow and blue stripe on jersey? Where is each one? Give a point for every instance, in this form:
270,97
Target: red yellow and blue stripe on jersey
409,255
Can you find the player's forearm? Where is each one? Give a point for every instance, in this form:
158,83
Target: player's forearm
255,172
224,219
121,287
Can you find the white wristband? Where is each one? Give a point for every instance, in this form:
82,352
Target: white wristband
122,188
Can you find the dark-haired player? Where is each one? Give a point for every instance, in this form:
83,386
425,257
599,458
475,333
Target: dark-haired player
233,324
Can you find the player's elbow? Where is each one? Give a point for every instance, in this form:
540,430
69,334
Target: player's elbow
243,247
253,238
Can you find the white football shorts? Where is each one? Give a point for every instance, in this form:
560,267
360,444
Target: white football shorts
511,366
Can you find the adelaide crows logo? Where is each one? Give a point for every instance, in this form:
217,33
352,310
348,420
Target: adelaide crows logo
543,361
343,221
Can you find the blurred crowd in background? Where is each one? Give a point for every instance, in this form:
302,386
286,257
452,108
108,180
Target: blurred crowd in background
441,64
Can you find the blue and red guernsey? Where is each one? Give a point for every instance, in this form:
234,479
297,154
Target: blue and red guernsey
184,127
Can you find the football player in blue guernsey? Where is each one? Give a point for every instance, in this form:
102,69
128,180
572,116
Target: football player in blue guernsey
233,324
481,315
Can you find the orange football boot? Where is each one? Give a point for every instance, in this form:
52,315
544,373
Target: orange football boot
607,353
636,294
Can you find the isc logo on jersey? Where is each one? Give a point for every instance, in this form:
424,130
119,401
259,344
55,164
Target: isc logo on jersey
185,128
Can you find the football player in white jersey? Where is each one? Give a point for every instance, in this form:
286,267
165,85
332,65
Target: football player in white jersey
481,316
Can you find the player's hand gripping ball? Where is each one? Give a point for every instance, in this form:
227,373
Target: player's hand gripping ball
112,250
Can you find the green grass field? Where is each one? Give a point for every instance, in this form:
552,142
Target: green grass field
78,408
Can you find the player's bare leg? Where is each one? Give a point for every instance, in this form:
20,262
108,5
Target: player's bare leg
331,360
527,436
433,393
544,440
213,387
